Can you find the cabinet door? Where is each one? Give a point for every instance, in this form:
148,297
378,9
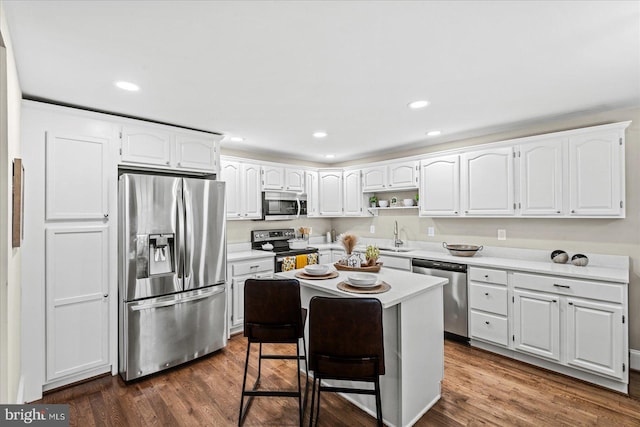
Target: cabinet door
311,186
596,173
237,317
541,166
353,198
337,255
487,182
77,299
440,186
374,179
403,175
272,178
595,336
76,184
294,180
196,152
230,174
536,323
146,145
250,190
330,193
324,257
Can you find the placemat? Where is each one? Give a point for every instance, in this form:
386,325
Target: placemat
382,287
303,275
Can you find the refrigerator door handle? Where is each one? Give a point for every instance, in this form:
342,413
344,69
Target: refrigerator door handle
161,304
187,215
180,261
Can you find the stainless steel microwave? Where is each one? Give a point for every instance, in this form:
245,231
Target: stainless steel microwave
281,206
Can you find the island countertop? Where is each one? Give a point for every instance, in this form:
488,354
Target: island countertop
404,284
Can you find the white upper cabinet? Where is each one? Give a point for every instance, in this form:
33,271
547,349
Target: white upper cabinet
440,186
244,196
374,179
487,182
330,192
596,173
393,176
541,177
273,178
311,186
196,152
353,198
294,180
164,147
77,183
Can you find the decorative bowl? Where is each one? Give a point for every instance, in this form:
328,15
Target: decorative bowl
559,257
298,243
407,202
383,203
580,260
362,279
462,250
317,269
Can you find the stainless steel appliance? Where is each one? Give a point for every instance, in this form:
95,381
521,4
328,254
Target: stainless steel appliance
277,241
282,206
454,293
172,271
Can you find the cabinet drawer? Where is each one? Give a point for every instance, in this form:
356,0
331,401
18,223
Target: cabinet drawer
491,298
579,288
251,267
488,275
395,262
489,327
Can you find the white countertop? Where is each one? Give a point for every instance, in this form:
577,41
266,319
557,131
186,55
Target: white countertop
404,285
249,254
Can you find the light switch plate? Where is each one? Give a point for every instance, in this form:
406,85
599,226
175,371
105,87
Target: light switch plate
502,234
431,231
372,229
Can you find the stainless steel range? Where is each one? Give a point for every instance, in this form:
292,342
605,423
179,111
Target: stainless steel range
278,241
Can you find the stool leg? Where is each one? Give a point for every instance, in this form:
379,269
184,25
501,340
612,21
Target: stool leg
313,401
306,370
259,365
300,407
378,402
244,382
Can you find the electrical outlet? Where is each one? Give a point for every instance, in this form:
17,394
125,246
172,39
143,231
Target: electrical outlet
372,229
431,231
502,234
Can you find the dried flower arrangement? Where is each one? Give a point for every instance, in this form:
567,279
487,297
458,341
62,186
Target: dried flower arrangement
349,242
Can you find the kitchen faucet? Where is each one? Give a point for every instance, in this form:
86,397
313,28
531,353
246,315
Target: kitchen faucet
396,242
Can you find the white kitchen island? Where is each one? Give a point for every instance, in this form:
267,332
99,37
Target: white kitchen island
413,326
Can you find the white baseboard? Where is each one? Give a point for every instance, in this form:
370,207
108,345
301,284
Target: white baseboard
634,360
20,394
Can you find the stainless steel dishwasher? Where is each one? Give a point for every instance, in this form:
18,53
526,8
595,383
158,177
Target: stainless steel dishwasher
454,293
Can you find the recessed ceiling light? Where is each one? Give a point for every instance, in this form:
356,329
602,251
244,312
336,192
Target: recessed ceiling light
434,133
128,86
236,139
320,134
330,156
417,104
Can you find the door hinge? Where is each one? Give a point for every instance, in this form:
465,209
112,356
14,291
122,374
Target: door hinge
621,204
519,205
513,299
121,151
120,135
513,338
620,141
514,206
624,367
623,318
514,154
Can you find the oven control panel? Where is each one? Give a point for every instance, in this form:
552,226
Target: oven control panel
266,235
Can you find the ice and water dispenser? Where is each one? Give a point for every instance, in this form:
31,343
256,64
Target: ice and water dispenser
156,255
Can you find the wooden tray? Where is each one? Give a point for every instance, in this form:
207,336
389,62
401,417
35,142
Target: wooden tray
382,287
303,275
371,269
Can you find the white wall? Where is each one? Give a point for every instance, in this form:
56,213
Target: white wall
10,298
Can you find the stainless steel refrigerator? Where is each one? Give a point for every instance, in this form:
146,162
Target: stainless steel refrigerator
172,271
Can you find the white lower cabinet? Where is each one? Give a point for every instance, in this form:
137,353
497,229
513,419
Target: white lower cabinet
337,255
324,257
536,324
237,273
488,305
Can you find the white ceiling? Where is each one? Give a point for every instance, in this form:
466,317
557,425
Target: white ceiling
273,72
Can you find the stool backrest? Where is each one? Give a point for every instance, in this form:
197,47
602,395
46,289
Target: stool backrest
272,311
345,337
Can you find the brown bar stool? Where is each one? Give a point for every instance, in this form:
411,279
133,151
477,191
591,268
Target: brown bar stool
273,315
346,343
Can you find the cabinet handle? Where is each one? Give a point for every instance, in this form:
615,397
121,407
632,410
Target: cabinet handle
554,300
239,214
570,303
455,212
572,211
561,286
557,211
486,276
466,211
486,293
168,162
246,214
106,215
106,295
487,322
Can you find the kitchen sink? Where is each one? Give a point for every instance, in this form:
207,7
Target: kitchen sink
395,249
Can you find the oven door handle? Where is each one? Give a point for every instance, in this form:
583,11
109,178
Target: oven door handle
298,203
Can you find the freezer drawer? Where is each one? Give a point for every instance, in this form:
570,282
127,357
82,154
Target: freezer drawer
162,332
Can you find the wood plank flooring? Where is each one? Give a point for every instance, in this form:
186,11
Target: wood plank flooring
479,388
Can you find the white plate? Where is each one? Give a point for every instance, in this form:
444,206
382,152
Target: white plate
369,285
317,271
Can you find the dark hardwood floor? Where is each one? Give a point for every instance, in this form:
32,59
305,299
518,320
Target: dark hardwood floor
479,388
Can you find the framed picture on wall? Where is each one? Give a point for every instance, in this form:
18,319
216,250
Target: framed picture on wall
17,227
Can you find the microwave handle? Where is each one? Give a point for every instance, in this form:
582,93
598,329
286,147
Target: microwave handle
298,202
